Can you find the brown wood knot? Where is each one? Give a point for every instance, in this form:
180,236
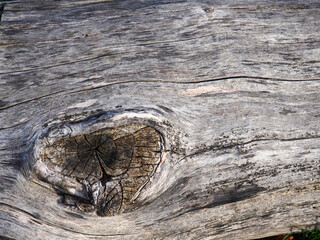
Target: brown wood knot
111,164
209,10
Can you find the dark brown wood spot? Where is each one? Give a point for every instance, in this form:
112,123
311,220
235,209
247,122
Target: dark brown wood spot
2,5
113,163
209,10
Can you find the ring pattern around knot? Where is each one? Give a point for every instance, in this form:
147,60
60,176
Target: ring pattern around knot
111,164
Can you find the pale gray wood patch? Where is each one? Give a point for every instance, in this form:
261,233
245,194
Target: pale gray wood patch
234,91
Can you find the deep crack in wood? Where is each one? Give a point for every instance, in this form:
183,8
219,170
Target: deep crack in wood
113,164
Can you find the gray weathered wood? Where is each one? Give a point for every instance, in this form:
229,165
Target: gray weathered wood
234,90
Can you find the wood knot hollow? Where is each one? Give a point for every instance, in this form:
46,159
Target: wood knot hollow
209,10
105,170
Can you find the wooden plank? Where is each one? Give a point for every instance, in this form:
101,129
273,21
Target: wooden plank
234,92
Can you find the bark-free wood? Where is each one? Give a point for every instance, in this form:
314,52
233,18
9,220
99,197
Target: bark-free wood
233,87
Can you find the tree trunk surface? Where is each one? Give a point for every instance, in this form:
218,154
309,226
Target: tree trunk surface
189,119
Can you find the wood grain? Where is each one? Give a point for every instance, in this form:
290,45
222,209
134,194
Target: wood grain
233,91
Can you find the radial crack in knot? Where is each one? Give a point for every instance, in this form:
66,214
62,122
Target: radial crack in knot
112,165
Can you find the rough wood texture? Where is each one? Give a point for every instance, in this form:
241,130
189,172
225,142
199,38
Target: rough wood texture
104,170
233,87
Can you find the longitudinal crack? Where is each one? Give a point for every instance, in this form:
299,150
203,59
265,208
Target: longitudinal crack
220,146
43,221
68,91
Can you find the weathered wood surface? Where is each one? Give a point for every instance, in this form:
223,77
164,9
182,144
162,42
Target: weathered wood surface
233,87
